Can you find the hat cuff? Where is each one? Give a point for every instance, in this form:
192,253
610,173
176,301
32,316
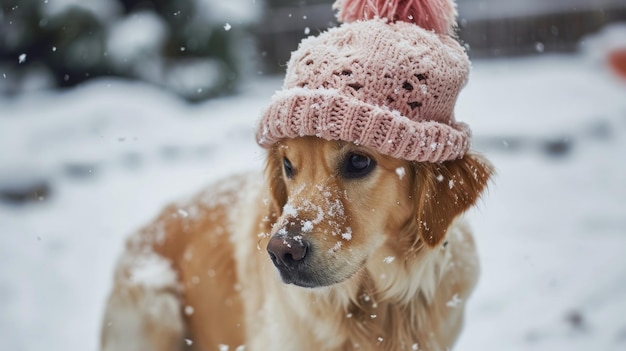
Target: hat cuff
330,115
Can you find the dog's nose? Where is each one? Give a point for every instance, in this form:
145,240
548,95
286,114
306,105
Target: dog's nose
286,251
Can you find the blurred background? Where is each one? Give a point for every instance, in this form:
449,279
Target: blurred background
200,49
109,109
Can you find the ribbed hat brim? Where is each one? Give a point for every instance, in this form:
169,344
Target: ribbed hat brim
328,114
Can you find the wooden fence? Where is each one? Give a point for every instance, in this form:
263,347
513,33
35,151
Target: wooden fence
283,28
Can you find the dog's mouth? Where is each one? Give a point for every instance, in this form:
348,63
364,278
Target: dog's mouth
301,273
300,278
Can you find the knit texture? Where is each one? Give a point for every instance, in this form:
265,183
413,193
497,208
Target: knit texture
436,15
388,86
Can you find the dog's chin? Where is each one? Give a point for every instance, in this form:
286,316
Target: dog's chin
309,279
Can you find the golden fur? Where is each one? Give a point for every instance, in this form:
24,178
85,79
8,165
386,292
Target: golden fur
390,261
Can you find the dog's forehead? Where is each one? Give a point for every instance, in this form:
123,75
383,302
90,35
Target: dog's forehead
307,147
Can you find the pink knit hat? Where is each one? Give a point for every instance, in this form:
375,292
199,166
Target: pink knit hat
387,78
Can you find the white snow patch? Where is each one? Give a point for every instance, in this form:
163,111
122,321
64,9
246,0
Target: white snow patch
454,302
389,259
289,210
336,247
307,227
152,271
401,172
234,11
347,235
192,76
597,46
103,9
135,39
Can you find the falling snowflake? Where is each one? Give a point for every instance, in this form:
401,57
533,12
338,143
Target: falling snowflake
539,46
389,259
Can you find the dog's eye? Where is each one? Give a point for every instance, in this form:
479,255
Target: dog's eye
288,167
357,166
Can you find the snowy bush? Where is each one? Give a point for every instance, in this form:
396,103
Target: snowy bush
597,46
69,41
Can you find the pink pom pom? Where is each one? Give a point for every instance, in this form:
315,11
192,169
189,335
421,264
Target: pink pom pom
437,15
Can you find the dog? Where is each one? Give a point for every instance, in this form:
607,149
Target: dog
336,247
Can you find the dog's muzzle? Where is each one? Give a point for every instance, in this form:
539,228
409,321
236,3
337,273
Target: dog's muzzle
290,254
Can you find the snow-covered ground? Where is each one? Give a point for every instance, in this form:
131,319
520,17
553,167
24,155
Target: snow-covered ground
551,232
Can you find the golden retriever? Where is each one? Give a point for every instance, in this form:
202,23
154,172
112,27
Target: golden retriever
337,248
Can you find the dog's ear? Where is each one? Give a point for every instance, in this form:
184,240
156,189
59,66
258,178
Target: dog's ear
275,181
444,191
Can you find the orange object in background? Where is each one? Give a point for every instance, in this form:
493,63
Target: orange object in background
617,61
